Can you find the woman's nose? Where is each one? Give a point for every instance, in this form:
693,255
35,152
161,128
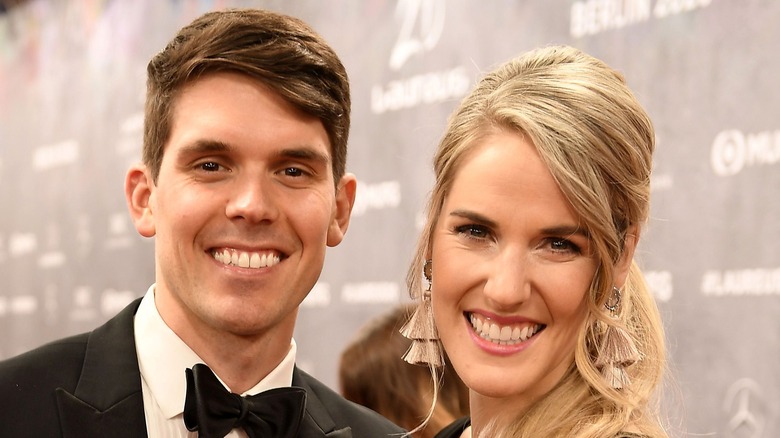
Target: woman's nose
508,283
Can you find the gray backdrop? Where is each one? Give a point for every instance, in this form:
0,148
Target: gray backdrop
71,95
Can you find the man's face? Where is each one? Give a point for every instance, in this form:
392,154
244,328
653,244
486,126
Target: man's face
243,209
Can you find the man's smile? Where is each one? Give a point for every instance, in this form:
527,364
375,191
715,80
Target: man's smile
246,259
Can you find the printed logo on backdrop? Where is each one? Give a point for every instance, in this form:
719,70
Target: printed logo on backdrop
741,282
83,234
51,303
83,304
120,231
55,155
318,297
131,138
22,243
112,300
595,16
420,26
52,257
422,22
2,248
661,182
23,304
661,179
371,292
660,284
744,409
733,151
376,196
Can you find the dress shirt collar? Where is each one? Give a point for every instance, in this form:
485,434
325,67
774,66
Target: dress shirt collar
163,357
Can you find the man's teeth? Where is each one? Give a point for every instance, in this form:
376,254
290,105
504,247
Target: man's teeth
243,259
504,335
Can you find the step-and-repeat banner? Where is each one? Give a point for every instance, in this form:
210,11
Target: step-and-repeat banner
71,97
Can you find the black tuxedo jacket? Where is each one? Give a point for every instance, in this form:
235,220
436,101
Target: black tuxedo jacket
89,385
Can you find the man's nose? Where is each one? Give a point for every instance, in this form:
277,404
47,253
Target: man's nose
252,200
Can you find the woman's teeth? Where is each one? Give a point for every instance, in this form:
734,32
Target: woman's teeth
503,334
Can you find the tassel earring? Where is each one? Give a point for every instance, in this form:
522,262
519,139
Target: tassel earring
617,350
421,329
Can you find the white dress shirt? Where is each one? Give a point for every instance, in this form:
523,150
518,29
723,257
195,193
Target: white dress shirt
162,359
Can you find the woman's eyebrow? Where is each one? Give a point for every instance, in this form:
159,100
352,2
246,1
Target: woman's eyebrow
473,216
566,230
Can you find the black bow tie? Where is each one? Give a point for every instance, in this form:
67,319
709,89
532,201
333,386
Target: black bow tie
213,411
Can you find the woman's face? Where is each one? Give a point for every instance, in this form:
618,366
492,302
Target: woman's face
511,272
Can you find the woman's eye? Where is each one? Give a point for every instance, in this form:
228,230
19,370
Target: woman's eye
563,245
473,231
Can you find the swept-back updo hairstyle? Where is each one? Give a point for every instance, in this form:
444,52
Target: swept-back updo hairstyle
598,143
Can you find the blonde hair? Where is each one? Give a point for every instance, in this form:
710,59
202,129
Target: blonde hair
598,143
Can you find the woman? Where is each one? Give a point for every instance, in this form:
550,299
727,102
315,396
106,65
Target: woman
370,374
526,262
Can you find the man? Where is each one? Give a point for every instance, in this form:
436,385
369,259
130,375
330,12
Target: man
243,186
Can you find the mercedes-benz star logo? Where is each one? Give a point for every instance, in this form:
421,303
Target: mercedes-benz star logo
743,406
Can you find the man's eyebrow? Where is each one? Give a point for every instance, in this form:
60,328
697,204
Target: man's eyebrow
204,146
212,146
304,153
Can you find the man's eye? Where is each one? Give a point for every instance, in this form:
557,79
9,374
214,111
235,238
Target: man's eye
293,171
210,166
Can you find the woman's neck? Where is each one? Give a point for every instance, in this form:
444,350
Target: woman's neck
485,411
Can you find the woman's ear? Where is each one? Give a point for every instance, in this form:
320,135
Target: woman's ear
623,265
139,194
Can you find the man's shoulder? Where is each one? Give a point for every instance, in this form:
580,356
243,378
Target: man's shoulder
48,355
362,421
28,383
58,362
37,381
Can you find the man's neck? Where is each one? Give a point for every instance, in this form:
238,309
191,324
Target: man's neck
239,360
241,365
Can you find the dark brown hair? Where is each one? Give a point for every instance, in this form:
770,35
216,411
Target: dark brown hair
281,51
372,373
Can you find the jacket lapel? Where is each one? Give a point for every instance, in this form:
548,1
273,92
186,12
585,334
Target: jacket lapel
108,400
317,423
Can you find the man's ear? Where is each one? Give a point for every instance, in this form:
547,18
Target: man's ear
623,265
345,200
139,194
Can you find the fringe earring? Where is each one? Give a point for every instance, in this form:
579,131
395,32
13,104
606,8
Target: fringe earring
421,329
617,350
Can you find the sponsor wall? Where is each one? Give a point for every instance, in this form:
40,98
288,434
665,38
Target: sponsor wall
71,98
